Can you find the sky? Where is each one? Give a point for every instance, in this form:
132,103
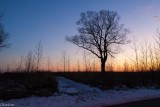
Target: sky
50,21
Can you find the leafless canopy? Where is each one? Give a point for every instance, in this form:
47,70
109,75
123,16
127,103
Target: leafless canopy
158,37
99,32
3,36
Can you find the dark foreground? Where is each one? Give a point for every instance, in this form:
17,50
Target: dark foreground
144,103
110,80
14,85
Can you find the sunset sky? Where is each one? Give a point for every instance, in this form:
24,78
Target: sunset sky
50,21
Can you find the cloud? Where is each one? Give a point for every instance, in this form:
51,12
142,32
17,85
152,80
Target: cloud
156,17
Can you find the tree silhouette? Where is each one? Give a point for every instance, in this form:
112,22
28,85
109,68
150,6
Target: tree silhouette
38,54
100,33
3,36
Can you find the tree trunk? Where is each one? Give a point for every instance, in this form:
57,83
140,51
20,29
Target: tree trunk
103,66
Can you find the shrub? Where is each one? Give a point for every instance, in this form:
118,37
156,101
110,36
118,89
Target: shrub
25,84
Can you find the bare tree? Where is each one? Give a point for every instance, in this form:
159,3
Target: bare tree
48,63
135,58
18,66
29,62
38,54
144,57
8,68
151,57
88,65
157,38
57,67
78,66
85,61
94,65
100,33
68,63
110,65
157,57
3,36
64,59
126,66
157,50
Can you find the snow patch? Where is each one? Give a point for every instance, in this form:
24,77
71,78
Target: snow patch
71,87
73,94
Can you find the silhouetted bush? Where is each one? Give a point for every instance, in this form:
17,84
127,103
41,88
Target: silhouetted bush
25,84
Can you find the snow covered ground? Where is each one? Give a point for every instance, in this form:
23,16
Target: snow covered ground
73,94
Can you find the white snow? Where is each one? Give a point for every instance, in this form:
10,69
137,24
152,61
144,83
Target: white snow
71,87
73,94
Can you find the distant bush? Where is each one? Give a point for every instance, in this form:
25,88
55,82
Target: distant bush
25,84
117,80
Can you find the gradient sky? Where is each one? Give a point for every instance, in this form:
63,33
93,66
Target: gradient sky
29,21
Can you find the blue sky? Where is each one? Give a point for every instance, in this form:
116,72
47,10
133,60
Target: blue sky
29,21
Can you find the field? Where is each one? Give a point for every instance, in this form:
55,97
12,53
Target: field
46,89
25,84
118,80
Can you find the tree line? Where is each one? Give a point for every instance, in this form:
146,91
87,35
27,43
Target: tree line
100,34
145,57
